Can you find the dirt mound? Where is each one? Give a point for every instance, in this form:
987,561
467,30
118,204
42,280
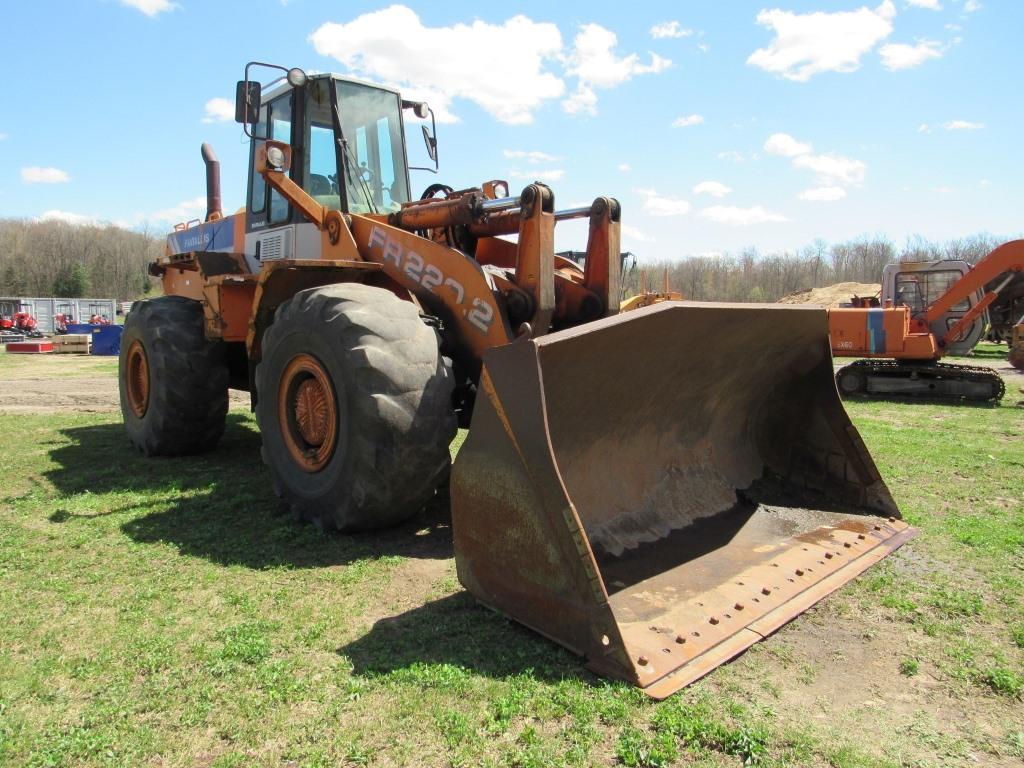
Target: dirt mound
832,295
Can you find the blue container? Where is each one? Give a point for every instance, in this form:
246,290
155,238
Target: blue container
106,339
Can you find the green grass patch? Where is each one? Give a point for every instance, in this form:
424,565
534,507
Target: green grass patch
168,612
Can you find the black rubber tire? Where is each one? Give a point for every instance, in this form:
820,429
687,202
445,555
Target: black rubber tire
393,391
188,379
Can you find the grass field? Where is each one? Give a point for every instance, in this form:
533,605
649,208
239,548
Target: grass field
164,613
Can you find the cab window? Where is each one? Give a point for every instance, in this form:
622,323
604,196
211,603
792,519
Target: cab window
280,130
919,290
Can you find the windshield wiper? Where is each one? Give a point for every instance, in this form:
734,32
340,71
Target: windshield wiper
346,154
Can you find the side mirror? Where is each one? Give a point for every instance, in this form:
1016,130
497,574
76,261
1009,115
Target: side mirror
431,142
248,95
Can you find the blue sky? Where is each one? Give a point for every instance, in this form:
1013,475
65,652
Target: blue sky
717,125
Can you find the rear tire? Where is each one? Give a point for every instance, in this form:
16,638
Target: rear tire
173,382
354,406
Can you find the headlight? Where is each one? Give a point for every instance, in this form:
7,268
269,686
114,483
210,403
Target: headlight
296,77
275,157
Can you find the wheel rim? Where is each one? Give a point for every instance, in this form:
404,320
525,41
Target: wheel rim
137,379
308,413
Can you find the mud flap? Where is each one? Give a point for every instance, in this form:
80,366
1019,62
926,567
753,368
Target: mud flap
659,490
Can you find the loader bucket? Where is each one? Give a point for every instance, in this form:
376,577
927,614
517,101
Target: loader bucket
661,489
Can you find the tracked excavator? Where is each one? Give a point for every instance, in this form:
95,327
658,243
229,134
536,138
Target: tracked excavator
931,309
625,489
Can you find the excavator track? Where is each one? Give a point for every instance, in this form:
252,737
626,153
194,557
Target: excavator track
941,382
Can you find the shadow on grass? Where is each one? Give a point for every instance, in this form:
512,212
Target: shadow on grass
458,631
220,506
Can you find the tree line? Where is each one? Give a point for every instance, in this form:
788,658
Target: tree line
753,276
54,258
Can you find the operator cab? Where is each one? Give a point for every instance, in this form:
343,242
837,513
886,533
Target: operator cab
347,140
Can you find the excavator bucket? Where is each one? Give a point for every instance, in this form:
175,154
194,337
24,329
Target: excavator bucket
659,490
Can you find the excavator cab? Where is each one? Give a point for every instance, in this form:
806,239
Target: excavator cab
918,284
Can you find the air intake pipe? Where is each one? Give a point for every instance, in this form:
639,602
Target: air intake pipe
213,207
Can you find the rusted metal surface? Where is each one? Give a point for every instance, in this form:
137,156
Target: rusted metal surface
655,495
604,265
308,413
137,379
213,205
535,266
228,305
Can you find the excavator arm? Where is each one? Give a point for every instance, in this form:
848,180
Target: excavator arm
1008,257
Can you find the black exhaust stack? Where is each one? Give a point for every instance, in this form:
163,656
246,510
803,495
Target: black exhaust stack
213,208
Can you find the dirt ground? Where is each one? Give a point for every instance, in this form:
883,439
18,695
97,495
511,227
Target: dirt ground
88,384
78,383
832,295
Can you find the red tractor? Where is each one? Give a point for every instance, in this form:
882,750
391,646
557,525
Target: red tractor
14,319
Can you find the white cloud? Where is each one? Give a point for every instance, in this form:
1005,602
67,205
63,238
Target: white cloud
624,167
219,110
660,205
785,145
740,217
150,7
594,63
528,156
553,174
631,233
823,194
924,128
500,67
963,125
77,219
931,5
688,120
669,29
183,211
3,136
971,6
713,188
36,175
731,155
703,47
902,56
831,169
984,183
807,44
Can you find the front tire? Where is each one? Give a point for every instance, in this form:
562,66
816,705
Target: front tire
173,382
354,407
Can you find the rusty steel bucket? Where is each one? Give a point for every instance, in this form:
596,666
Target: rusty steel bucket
659,490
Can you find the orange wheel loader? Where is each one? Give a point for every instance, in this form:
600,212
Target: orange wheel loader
626,488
